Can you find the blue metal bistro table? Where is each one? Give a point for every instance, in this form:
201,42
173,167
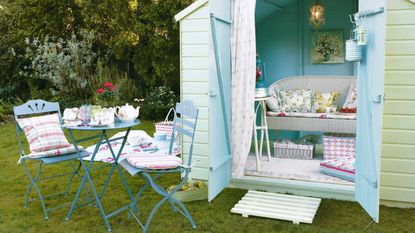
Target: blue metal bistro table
103,139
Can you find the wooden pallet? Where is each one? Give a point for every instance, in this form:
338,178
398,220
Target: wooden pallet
277,206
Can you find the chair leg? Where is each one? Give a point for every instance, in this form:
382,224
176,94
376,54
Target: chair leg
75,171
33,183
166,197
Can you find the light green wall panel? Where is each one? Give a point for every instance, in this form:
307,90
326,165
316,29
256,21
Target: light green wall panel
399,77
399,122
398,136
193,38
400,92
391,179
397,194
402,47
398,166
195,75
398,151
402,32
403,107
195,25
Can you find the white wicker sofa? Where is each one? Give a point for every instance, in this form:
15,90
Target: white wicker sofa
334,123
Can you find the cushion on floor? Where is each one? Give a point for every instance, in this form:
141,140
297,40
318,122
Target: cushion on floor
342,168
154,161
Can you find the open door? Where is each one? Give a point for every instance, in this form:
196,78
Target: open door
370,107
220,162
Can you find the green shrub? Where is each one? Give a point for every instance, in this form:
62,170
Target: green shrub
158,103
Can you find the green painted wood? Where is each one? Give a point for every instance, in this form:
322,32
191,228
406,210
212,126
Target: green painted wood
399,77
390,150
392,179
406,32
195,50
399,122
403,107
400,62
194,75
400,92
406,17
198,88
398,165
200,173
201,149
400,47
199,100
195,25
398,136
400,5
200,137
201,63
398,194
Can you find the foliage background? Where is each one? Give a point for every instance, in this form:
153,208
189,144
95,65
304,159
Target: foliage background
134,39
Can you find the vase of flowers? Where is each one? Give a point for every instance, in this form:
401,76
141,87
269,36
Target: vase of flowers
107,95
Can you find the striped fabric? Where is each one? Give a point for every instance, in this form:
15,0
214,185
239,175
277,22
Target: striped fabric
61,151
44,133
154,161
342,168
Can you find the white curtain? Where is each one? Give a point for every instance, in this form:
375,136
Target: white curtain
243,81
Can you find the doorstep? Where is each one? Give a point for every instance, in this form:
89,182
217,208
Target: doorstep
296,187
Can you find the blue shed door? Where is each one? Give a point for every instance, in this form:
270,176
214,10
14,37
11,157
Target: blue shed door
370,108
220,162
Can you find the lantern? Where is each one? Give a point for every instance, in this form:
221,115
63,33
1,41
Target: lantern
361,35
317,14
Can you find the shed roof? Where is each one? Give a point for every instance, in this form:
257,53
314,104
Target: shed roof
194,6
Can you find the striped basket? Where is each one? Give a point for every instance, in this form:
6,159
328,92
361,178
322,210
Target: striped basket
166,126
293,151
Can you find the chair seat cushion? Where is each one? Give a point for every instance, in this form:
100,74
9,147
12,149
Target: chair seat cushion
61,151
155,162
44,133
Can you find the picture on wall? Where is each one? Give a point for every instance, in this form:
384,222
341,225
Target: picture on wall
327,47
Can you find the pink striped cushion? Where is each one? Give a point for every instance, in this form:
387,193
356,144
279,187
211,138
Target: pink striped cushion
154,161
61,151
43,133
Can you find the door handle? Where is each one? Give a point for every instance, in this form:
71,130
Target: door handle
378,99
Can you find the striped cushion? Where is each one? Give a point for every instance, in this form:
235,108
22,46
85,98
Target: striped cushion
154,161
43,133
62,151
342,168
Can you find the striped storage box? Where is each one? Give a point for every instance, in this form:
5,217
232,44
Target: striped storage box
342,168
339,146
291,150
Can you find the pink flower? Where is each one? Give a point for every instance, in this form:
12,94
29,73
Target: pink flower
108,84
113,88
258,73
100,90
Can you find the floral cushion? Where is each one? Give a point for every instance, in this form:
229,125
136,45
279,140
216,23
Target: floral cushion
274,103
296,100
324,102
44,133
350,105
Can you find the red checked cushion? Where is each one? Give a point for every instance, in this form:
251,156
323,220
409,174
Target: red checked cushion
43,133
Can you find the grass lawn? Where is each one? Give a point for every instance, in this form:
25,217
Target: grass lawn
332,216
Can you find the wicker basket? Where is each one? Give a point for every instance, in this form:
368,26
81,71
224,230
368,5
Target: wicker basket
289,150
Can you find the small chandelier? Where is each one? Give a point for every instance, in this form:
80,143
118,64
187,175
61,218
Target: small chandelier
317,14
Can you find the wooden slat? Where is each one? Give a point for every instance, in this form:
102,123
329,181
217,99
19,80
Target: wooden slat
277,206
398,136
195,25
398,122
200,161
199,173
198,148
199,63
400,32
195,75
399,77
399,5
400,92
397,194
198,88
194,38
201,100
400,63
399,180
406,17
398,151
400,47
195,50
402,107
200,137
398,165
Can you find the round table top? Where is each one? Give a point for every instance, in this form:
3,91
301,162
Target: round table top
116,125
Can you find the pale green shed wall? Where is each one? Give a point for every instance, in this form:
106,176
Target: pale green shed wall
194,84
398,143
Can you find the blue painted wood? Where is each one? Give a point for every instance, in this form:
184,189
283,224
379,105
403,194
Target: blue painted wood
33,107
220,98
116,125
370,108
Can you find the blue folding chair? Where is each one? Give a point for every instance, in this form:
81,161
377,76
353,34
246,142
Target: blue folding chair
41,107
184,125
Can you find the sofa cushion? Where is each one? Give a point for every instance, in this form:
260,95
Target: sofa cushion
350,105
324,102
296,100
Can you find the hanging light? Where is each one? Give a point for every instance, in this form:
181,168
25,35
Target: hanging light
361,35
317,14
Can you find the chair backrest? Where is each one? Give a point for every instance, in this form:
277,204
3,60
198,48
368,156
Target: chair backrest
30,108
184,123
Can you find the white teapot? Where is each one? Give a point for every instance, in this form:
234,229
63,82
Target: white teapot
127,113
